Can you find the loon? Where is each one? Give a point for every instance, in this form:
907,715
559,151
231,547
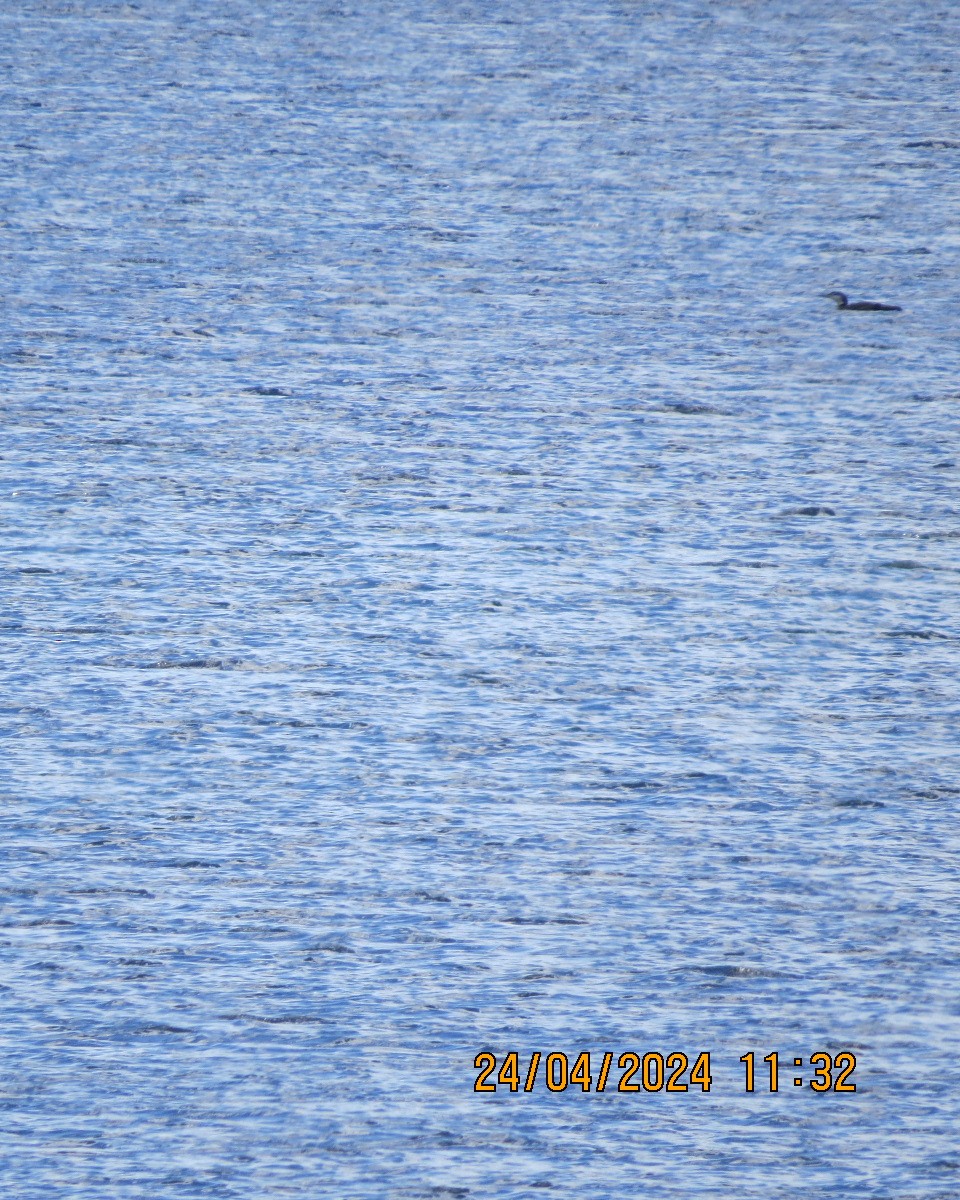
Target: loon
861,305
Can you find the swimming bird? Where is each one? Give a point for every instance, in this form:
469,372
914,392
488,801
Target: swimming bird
861,305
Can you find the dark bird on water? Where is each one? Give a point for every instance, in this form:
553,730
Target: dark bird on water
861,305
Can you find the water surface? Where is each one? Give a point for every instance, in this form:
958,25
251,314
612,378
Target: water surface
464,589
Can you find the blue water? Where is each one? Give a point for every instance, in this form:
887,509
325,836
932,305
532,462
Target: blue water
464,589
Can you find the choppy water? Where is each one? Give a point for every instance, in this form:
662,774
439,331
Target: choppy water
464,589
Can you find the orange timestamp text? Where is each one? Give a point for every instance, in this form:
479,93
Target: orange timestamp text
652,1071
